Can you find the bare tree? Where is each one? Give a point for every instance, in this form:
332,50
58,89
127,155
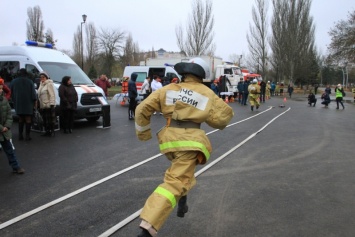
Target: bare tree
257,40
76,56
35,25
342,46
200,34
128,52
91,45
48,36
131,53
110,45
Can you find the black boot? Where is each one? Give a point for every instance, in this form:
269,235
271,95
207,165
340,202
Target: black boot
51,130
130,115
20,130
28,130
144,233
252,108
182,207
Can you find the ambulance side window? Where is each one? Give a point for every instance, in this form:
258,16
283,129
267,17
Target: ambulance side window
141,76
33,73
171,75
8,70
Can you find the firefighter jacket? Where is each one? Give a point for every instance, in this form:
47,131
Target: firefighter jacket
187,101
254,91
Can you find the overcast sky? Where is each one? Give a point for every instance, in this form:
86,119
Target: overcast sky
152,22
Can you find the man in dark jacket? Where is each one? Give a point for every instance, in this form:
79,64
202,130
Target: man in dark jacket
132,94
245,92
326,99
312,99
262,91
24,97
223,85
240,88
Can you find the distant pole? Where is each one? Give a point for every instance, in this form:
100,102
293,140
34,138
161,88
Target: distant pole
240,57
82,41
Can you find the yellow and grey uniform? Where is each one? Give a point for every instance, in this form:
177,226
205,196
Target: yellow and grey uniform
185,106
254,93
268,87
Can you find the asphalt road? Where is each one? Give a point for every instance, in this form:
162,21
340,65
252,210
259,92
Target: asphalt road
289,172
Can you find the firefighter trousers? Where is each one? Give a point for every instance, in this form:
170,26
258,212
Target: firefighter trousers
178,180
254,100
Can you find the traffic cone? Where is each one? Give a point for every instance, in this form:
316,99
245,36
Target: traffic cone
232,99
285,99
226,100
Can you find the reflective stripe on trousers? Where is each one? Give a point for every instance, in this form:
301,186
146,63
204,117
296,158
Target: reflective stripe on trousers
187,144
179,179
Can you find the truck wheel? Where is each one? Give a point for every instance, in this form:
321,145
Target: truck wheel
93,119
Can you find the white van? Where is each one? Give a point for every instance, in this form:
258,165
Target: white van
36,59
234,75
166,72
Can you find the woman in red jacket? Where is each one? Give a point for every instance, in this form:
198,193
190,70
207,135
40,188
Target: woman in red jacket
7,91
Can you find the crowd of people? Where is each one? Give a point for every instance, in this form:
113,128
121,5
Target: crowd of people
30,105
325,97
257,91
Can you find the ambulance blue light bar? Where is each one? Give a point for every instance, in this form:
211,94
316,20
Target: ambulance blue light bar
39,44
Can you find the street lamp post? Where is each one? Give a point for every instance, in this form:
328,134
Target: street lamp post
345,76
82,42
240,57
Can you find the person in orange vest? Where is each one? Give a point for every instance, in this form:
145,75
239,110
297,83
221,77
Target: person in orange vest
184,106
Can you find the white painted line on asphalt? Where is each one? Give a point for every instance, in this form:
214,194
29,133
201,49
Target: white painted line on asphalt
206,167
232,124
52,203
61,199
121,224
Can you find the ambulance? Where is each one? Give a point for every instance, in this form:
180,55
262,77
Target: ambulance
36,57
143,72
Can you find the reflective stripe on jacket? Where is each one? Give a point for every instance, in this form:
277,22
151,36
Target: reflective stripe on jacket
186,101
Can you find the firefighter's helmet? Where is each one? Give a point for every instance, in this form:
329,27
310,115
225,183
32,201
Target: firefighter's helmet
195,66
255,81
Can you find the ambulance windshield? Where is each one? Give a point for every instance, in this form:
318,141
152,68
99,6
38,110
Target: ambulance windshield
57,71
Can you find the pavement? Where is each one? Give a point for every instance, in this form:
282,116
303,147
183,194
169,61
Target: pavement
349,98
286,172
